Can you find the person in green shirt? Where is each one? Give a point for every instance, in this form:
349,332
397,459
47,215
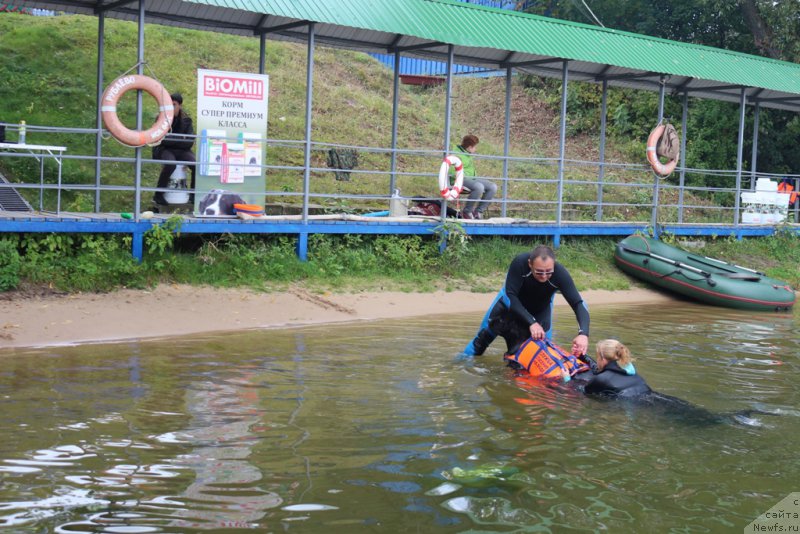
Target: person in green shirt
481,189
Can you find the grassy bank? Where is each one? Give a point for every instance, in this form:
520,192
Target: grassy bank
73,263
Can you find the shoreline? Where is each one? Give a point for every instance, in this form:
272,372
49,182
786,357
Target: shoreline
179,310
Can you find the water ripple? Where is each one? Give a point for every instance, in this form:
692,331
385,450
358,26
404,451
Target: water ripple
355,427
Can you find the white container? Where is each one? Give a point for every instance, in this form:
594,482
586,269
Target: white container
751,215
398,206
749,199
178,190
783,200
768,217
765,184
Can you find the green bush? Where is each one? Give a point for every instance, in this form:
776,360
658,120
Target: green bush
10,264
80,262
402,252
99,263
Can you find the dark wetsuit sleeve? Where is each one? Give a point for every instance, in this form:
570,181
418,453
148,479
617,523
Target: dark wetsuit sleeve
514,281
566,285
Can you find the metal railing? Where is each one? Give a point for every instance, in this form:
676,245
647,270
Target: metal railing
591,191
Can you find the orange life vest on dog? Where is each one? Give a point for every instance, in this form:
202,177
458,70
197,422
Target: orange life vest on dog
545,359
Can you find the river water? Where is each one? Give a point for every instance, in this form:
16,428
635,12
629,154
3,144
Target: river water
377,427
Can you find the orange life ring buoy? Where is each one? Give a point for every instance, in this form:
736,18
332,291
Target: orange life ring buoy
661,169
137,138
447,192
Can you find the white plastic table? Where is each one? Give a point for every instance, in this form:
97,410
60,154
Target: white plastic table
41,152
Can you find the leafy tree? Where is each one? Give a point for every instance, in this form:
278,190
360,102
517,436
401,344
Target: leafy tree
762,27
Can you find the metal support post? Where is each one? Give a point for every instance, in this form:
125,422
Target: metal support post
137,210
98,152
395,110
654,217
506,141
309,96
601,173
682,176
754,156
562,139
447,106
739,156
262,53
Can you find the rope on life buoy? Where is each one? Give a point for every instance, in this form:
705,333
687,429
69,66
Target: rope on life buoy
448,192
661,169
137,138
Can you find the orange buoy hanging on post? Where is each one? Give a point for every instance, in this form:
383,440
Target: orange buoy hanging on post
656,148
137,138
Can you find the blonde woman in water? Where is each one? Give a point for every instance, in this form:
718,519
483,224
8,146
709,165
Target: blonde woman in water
615,374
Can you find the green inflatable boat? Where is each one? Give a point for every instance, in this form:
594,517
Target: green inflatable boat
699,277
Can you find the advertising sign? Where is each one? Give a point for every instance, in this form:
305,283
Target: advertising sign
232,128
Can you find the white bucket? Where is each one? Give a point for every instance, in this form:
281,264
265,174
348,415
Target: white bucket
179,192
398,206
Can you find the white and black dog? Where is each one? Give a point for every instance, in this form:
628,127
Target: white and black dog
219,202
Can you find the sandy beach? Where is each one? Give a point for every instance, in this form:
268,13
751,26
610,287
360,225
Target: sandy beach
176,310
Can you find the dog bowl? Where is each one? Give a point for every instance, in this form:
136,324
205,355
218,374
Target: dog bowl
248,209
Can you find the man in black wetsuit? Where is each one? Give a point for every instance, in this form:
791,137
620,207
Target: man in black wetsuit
523,308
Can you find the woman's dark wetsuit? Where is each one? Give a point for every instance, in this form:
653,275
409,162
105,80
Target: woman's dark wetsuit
529,301
613,382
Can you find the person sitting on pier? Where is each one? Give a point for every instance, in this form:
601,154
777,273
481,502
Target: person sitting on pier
481,190
176,146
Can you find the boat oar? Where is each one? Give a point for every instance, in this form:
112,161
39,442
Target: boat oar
747,276
669,261
725,265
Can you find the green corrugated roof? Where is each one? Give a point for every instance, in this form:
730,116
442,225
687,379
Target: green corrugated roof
463,24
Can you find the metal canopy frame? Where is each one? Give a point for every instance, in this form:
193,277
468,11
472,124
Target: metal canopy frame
255,19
